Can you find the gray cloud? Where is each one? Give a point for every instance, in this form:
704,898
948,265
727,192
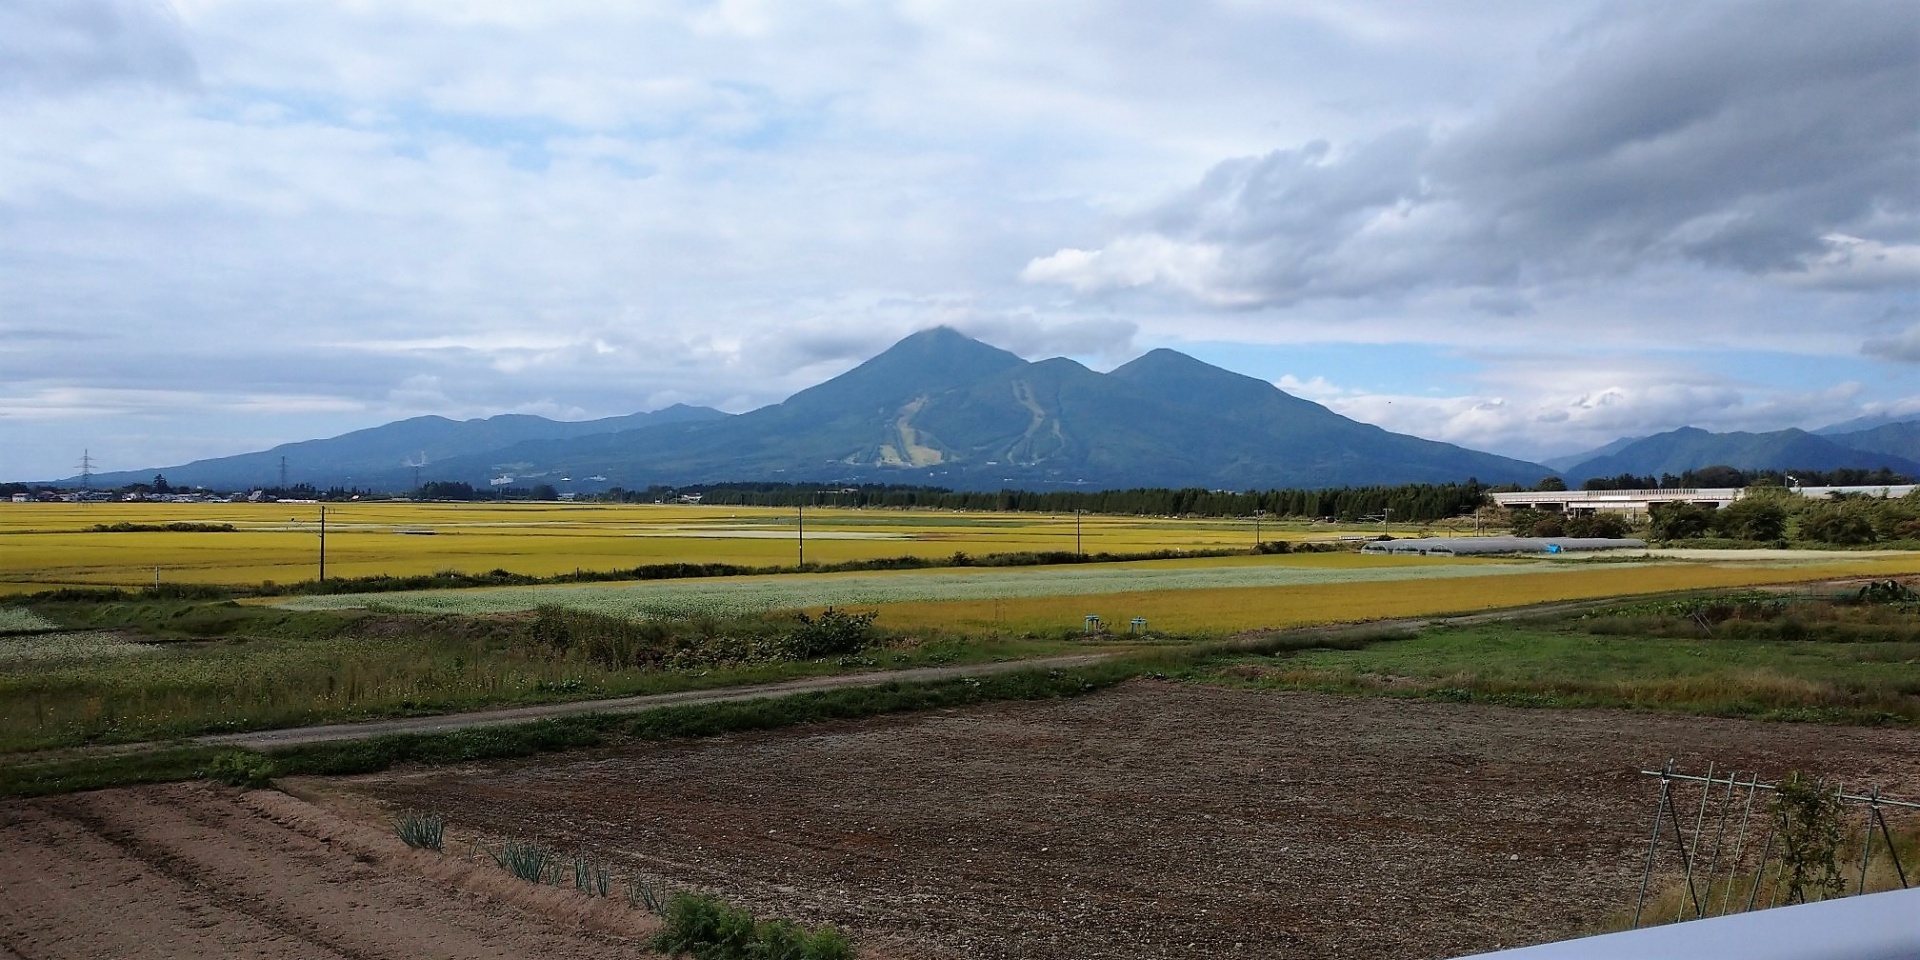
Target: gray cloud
1753,137
1903,347
63,46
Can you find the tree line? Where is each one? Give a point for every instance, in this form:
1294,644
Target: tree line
1412,503
1724,476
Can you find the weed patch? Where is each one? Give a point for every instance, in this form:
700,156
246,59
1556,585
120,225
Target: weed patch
708,928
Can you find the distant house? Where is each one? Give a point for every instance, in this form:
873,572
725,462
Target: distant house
21,498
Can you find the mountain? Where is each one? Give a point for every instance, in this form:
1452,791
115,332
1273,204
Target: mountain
941,408
1858,424
1690,448
1567,461
386,454
1894,439
936,408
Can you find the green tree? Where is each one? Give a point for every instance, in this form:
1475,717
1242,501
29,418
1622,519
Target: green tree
1843,523
1550,484
1597,525
1752,518
1679,521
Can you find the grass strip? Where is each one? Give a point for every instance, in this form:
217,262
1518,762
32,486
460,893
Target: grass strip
74,774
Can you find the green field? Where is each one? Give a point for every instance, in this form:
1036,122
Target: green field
1755,657
733,596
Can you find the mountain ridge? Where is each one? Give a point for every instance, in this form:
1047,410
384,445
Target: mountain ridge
944,409
938,408
1691,448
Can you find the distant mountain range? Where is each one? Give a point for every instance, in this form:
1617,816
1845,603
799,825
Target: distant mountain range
389,453
943,409
937,408
1895,446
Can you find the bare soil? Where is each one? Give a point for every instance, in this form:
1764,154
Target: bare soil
197,871
1152,820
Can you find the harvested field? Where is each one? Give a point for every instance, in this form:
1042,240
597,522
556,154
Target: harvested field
1153,820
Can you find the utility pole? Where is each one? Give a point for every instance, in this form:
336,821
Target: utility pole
1076,532
1256,527
802,508
323,542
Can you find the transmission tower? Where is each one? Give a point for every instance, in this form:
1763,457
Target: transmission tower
86,469
283,475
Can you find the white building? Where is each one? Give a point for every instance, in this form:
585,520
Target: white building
1636,503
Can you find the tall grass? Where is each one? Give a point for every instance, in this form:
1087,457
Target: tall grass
1629,658
228,669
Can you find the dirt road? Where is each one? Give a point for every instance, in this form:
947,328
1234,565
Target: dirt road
268,739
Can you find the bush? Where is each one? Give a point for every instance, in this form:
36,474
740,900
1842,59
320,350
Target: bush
832,633
1679,521
238,768
710,929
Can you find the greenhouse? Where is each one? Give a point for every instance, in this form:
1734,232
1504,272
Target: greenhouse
1468,546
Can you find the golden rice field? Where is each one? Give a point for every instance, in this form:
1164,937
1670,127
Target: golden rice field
47,545
1414,592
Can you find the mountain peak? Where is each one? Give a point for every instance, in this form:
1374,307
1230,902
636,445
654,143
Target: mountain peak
929,361
1173,374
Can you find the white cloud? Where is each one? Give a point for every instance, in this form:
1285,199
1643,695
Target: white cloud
1137,260
1541,413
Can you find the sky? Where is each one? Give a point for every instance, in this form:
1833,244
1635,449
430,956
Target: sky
1527,228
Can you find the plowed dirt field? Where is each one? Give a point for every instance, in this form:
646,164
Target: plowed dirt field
192,871
1152,820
